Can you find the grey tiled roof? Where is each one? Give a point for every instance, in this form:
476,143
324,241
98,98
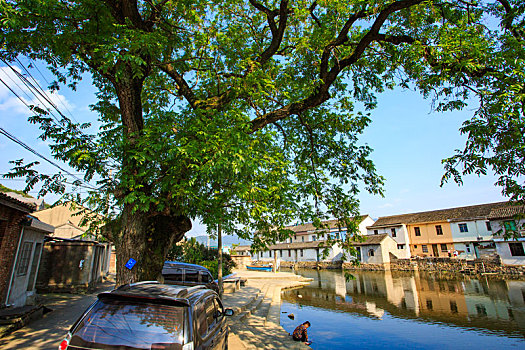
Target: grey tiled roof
25,207
453,214
372,240
507,212
310,227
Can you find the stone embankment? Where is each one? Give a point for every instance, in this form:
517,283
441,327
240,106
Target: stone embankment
444,265
256,323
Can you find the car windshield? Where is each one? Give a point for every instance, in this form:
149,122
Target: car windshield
129,325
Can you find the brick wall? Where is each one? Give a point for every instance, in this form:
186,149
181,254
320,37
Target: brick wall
10,229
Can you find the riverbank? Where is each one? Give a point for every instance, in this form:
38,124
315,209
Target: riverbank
256,323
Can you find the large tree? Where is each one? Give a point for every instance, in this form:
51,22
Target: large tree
237,112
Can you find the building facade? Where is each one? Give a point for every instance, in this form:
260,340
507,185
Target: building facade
508,225
307,243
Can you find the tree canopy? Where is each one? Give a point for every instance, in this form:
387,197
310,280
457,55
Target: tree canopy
248,112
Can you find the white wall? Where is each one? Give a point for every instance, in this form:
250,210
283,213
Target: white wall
400,239
476,229
503,249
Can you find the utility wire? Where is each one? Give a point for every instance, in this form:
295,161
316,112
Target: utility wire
40,90
32,63
16,140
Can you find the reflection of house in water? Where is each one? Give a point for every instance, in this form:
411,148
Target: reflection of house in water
465,302
399,291
440,297
507,304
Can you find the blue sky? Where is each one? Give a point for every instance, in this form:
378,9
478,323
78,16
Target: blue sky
409,141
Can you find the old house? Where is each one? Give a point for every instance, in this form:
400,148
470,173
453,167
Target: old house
508,224
73,259
21,242
308,243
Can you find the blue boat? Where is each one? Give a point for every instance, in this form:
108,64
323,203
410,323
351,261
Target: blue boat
267,268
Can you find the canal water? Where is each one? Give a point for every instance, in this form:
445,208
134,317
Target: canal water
398,310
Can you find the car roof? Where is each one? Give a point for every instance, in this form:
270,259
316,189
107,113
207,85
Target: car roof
182,265
158,292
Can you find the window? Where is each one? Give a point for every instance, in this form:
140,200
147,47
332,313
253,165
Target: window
301,251
376,232
23,258
424,248
489,228
509,225
443,247
302,238
439,230
281,253
313,238
370,252
417,231
400,246
429,304
481,310
210,313
393,230
453,307
516,249
270,253
295,238
289,253
463,228
415,246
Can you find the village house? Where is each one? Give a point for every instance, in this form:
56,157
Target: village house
508,225
463,232
307,243
21,242
395,229
73,259
376,249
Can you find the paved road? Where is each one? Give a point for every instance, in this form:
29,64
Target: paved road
50,330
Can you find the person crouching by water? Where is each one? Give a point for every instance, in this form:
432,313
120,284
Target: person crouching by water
301,334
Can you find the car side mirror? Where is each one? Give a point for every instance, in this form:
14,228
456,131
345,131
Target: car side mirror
228,312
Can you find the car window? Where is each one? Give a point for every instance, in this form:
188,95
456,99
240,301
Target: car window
210,312
191,276
219,311
200,315
174,274
116,324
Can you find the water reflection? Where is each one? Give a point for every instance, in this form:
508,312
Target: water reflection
492,306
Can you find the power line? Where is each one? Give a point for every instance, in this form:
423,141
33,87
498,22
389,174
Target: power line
42,89
16,140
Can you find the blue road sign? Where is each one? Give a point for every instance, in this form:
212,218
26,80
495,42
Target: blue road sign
130,263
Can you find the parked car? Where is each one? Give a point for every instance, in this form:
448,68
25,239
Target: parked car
175,272
151,315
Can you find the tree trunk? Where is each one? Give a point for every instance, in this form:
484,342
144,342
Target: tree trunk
147,241
147,236
219,250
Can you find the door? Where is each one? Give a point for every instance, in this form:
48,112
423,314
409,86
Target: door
435,249
212,327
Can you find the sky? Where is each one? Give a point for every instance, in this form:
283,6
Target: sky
408,138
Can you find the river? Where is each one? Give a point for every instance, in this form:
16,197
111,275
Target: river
398,310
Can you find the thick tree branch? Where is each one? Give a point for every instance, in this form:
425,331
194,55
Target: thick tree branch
321,94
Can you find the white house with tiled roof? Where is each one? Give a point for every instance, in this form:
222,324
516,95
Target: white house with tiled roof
509,220
395,227
441,233
307,243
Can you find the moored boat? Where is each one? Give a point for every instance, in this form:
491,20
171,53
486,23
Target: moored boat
267,268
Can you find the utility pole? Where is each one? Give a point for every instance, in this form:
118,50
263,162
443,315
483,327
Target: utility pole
219,249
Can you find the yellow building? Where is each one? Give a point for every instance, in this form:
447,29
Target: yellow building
431,239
